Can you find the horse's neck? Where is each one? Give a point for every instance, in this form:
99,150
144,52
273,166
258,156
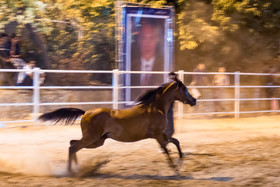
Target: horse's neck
164,102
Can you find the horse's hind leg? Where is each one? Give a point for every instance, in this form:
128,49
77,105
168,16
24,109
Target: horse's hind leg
177,143
75,147
99,142
72,142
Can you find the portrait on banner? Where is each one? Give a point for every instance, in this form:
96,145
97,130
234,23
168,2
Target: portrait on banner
148,48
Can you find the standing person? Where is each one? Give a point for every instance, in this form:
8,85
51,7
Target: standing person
199,80
42,79
169,131
26,78
147,55
15,46
220,80
5,46
15,54
272,92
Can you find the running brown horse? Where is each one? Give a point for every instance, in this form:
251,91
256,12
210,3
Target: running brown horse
145,120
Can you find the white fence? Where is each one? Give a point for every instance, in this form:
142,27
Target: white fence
116,87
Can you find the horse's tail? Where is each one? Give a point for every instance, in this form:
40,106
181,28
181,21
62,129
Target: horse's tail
69,115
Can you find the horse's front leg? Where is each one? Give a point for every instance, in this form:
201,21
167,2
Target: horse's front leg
177,143
163,143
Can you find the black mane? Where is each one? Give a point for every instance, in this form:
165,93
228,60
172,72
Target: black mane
149,97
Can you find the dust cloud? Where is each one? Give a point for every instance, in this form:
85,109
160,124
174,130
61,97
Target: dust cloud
27,160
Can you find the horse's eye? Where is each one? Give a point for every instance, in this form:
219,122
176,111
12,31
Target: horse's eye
186,91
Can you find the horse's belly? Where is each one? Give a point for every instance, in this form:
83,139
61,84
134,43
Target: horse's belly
125,139
127,131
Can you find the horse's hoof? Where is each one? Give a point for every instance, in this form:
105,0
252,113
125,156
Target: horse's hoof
179,162
188,177
70,172
177,173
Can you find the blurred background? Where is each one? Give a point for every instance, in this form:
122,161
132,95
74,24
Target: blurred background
78,34
81,35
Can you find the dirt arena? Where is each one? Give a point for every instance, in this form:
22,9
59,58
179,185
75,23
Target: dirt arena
218,152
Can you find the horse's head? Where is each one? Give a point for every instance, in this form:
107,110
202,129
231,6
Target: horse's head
182,94
176,89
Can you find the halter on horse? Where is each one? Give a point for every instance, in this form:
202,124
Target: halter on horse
145,120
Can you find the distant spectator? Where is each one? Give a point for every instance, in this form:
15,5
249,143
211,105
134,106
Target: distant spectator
220,80
169,131
15,59
26,78
5,46
271,92
200,79
15,46
42,78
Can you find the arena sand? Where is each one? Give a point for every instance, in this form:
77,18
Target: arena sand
218,152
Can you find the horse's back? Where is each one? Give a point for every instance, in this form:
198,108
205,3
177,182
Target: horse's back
96,113
136,123
115,114
125,125
128,112
94,120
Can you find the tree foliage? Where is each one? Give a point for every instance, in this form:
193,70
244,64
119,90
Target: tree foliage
80,34
199,22
239,34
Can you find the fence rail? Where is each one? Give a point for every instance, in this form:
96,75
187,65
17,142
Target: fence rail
116,86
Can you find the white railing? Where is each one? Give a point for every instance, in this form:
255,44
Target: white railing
115,87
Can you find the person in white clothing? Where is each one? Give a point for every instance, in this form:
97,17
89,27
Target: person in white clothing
220,80
26,78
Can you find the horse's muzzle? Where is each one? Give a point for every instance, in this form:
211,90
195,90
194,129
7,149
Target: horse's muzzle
192,103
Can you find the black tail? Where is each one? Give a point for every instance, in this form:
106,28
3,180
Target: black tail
69,115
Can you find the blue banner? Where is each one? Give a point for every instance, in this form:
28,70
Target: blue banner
147,46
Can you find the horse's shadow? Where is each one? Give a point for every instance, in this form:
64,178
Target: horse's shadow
92,172
198,154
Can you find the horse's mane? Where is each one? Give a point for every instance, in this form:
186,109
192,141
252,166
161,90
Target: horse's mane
149,97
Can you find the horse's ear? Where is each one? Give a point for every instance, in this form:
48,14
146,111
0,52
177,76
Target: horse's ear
172,76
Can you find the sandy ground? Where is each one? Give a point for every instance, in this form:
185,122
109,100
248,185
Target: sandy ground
218,152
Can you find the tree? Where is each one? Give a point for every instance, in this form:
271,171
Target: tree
79,34
242,35
75,34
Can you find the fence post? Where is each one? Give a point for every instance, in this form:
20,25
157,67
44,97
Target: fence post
36,93
115,84
237,94
180,105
